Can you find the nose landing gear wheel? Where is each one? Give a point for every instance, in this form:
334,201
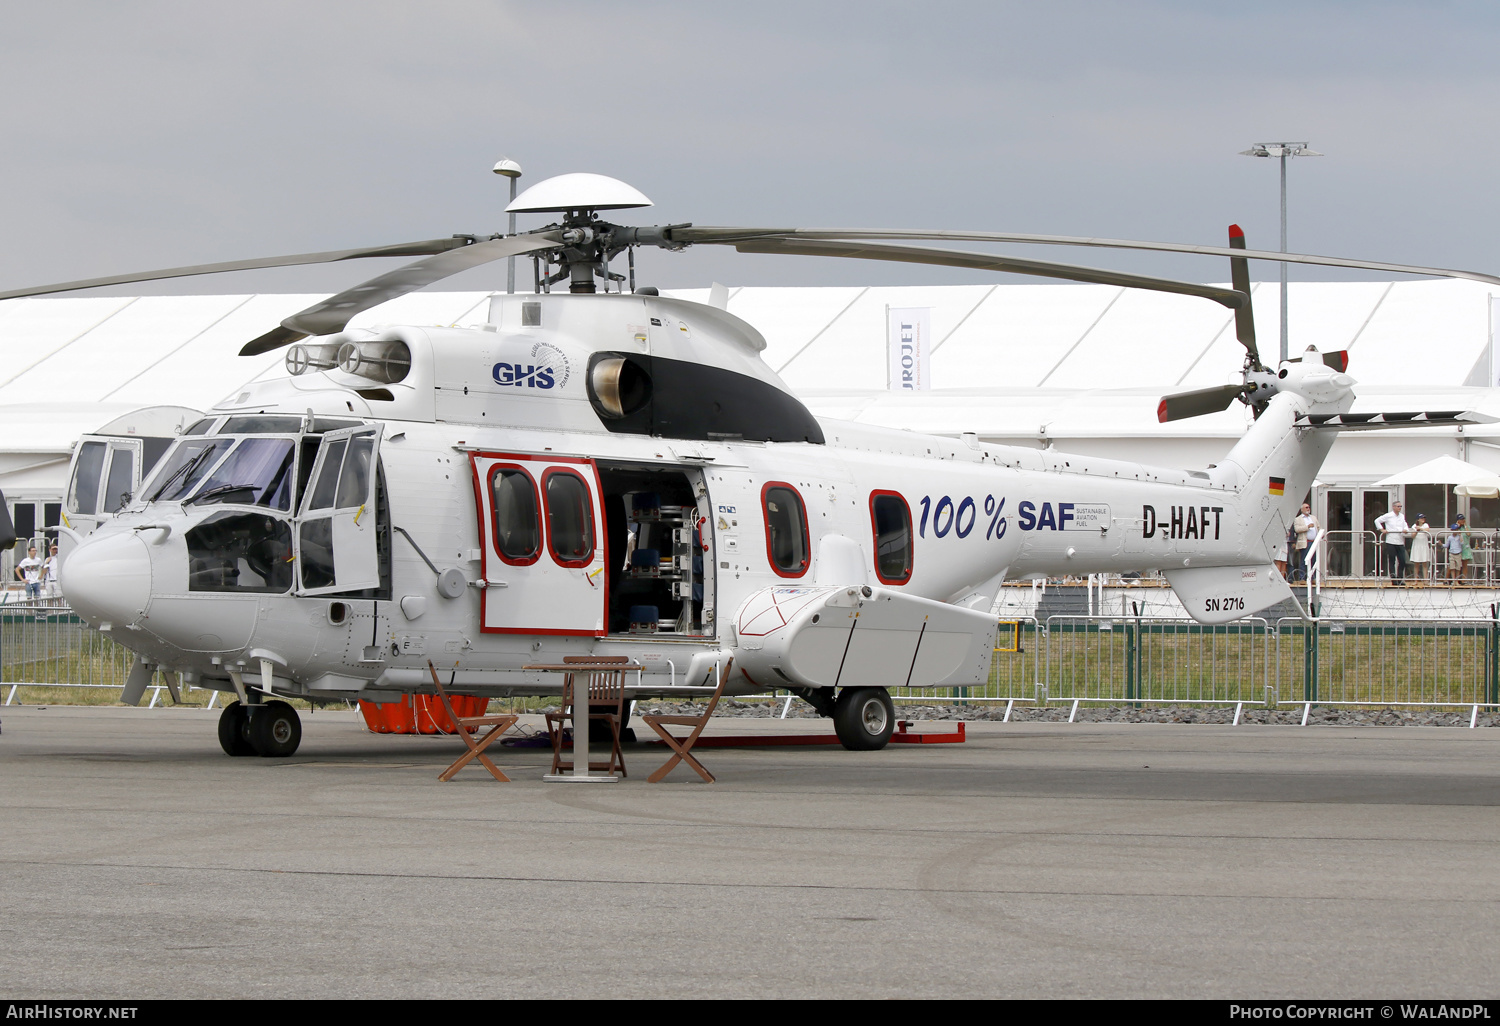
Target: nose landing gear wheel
275,730
864,718
234,727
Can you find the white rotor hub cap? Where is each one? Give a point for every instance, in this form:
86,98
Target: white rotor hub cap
580,191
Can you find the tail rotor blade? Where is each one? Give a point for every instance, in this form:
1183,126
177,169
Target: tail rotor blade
1239,277
1197,402
1339,360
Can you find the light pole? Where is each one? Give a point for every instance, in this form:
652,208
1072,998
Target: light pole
1281,151
510,169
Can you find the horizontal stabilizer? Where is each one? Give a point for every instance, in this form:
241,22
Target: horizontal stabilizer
860,636
1372,421
1218,594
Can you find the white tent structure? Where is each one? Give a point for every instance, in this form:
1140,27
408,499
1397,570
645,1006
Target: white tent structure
1076,367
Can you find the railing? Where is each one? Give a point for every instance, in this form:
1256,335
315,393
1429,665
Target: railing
1339,562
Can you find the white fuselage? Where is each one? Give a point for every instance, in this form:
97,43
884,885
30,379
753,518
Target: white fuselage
475,408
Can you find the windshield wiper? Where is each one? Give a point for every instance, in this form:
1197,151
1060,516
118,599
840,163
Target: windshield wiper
222,490
187,467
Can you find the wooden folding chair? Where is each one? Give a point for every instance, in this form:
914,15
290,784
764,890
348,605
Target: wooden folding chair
682,748
498,725
604,690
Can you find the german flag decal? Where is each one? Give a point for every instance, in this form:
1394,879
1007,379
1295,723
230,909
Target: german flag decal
1278,486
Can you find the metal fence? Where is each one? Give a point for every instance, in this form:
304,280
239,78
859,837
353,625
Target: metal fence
1137,660
46,645
1077,659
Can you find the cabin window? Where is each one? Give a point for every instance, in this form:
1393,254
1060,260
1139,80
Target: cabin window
891,518
518,527
83,497
786,529
570,518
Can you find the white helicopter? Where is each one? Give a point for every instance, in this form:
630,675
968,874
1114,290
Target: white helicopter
611,471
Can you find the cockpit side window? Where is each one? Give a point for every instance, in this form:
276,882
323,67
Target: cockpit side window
240,552
83,496
518,527
121,480
326,486
354,481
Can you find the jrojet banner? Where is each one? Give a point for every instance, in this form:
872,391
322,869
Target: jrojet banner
908,339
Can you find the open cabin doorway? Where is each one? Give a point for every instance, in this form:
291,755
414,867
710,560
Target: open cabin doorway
660,572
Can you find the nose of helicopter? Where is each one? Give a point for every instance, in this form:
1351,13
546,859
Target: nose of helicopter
108,579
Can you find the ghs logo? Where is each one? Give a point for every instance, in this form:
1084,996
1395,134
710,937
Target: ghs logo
548,367
524,375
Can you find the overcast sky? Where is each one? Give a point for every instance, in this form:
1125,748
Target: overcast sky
148,134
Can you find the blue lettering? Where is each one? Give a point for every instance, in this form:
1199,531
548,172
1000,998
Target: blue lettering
1064,514
939,525
502,374
544,379
958,521
926,506
1027,516
1048,519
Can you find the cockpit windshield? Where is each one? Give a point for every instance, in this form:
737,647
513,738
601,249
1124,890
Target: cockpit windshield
247,471
258,472
186,466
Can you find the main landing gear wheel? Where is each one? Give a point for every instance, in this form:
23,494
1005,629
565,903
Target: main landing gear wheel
234,730
864,718
275,730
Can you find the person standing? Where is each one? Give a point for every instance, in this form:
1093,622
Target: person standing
1395,529
1421,549
1463,547
49,572
29,570
1302,524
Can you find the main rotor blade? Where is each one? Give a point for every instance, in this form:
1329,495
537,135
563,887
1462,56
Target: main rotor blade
401,249
1197,402
988,262
333,313
732,236
1239,276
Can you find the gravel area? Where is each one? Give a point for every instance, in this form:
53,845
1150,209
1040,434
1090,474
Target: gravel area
1057,712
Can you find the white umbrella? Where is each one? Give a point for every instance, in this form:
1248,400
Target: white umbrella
1442,470
1487,487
